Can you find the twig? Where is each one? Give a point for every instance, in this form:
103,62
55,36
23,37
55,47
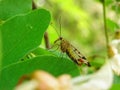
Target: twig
33,5
46,39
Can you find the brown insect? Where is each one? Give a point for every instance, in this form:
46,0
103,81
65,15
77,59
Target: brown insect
71,51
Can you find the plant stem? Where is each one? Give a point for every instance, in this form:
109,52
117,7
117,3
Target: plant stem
46,39
33,5
105,26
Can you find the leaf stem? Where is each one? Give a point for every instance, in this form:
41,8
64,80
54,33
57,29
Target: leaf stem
105,26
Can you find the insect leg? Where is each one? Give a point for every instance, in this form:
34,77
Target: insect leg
58,46
61,55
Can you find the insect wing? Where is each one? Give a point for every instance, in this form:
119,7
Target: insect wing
73,54
78,56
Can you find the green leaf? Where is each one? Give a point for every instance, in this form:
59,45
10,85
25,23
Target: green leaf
112,25
116,8
0,51
54,65
40,51
97,62
9,8
115,87
22,34
116,79
109,2
116,83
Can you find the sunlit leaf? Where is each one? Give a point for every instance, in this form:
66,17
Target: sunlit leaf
115,87
40,51
54,65
22,34
10,8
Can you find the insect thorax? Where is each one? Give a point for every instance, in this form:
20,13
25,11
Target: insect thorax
64,45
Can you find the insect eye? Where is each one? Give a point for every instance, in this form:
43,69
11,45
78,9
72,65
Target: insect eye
60,38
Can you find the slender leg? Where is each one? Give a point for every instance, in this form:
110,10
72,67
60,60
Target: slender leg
56,48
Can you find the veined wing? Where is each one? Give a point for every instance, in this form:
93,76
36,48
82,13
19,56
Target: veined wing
78,53
76,56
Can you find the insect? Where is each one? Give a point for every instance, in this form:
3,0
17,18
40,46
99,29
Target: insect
71,51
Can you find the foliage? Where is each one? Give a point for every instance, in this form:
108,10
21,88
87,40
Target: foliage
22,30
12,8
48,63
21,34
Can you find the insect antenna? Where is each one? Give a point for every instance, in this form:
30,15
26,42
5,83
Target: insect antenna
55,30
58,33
60,25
